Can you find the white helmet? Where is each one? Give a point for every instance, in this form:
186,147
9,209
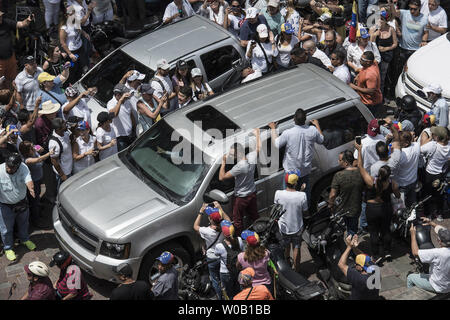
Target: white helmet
39,268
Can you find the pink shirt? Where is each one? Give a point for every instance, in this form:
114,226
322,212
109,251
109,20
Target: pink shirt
262,275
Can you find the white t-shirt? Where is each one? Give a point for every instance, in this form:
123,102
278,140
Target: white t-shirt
66,160
354,53
342,73
319,54
406,173
204,89
234,27
284,52
369,151
84,147
436,18
172,9
258,59
73,38
221,252
209,13
80,11
81,110
104,137
439,155
210,235
159,91
295,203
439,260
122,123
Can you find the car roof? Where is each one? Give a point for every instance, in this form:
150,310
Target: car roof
175,40
272,98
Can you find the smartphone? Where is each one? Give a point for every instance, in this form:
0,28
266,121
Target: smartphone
358,139
253,42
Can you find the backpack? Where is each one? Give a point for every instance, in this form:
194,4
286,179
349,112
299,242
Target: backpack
232,254
61,149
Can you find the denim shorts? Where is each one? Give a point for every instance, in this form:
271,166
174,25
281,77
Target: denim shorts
295,239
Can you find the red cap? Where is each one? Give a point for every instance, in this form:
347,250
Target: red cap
373,128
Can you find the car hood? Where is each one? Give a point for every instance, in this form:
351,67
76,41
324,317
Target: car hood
430,64
108,200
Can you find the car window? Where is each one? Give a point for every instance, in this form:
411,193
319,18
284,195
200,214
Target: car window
342,127
219,61
268,161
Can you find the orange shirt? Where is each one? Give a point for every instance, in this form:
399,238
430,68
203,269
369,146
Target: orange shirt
258,293
370,78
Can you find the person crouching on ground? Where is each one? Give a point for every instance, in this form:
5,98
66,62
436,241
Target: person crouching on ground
166,286
250,292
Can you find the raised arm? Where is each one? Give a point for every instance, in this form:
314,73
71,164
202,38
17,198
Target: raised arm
368,179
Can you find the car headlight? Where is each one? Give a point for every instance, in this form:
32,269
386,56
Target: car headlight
115,250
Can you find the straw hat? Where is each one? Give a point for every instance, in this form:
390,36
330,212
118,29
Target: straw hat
48,107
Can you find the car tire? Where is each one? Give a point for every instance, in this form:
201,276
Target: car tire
148,265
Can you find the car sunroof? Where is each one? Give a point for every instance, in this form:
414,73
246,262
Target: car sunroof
211,118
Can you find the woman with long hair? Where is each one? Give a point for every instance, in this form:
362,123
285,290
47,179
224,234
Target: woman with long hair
257,257
106,137
379,208
200,88
182,76
55,61
234,18
285,42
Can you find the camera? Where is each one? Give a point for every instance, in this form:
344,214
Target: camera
358,139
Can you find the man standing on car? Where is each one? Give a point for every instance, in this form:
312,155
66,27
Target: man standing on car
162,84
124,123
299,142
243,172
438,280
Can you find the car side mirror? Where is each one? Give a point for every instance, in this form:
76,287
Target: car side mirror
215,195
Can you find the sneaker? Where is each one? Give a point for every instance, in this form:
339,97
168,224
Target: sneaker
30,245
10,255
388,257
376,259
439,218
362,232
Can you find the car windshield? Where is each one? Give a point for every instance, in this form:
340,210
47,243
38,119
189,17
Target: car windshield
108,73
169,164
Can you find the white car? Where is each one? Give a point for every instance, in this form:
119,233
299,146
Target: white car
430,64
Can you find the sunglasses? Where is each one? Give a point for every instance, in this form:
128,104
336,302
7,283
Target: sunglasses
413,9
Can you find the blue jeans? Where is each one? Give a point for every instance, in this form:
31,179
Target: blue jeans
362,217
362,10
214,276
7,220
410,194
231,285
421,281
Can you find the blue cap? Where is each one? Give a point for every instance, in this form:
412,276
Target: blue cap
165,258
83,125
364,33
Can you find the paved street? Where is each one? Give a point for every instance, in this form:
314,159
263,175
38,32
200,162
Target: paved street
393,274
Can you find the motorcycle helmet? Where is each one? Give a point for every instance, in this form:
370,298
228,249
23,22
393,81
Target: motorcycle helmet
59,258
38,268
408,103
13,161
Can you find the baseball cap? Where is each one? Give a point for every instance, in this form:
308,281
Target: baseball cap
434,88
292,176
73,120
246,276
28,59
227,228
123,269
104,116
83,125
407,125
45,76
262,30
440,132
398,125
373,128
273,3
213,213
71,92
165,258
363,33
120,88
162,64
429,117
287,28
196,72
136,76
365,262
252,13
251,237
146,88
181,64
443,235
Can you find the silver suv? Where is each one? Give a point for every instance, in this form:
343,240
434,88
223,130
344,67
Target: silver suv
143,201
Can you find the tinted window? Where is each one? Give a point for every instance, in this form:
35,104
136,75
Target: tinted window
212,119
107,74
219,61
342,127
266,158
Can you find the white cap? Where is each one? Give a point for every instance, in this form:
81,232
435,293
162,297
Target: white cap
162,64
252,13
262,30
196,72
136,76
273,3
325,16
435,88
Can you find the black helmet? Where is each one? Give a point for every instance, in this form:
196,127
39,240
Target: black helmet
408,103
59,258
14,160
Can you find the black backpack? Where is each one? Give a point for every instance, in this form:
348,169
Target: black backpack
232,254
61,149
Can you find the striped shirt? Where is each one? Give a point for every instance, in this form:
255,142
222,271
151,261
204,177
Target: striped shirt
69,280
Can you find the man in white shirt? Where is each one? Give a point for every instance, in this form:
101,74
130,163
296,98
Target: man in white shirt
62,158
311,49
299,142
161,83
340,69
356,49
438,279
27,83
132,81
177,10
124,123
291,222
437,20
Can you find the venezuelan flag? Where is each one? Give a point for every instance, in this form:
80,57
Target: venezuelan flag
353,23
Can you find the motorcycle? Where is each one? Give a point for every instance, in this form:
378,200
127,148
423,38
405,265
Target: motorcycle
323,235
289,285
194,283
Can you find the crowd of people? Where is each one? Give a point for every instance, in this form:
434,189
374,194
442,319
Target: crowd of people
47,135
